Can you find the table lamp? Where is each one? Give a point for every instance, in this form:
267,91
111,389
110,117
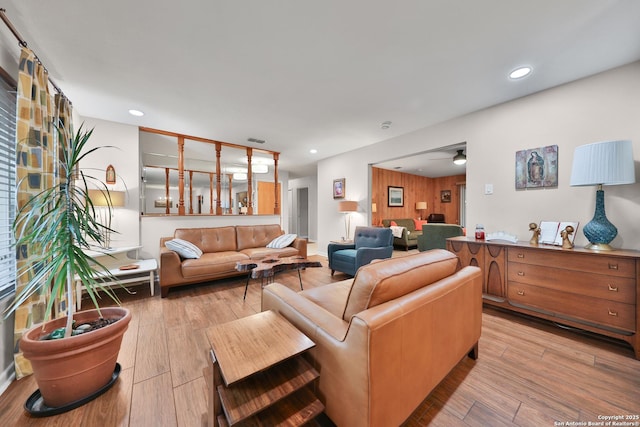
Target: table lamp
602,163
347,207
102,205
421,206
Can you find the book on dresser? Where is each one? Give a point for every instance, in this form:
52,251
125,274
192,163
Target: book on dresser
550,231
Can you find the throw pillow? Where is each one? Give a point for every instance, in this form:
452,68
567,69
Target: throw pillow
282,241
395,224
417,224
184,248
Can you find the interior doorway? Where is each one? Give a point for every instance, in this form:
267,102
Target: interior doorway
302,212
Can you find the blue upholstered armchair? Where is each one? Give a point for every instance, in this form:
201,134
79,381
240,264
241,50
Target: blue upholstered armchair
369,243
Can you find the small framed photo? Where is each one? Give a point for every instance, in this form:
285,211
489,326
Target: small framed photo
396,196
445,196
162,203
338,188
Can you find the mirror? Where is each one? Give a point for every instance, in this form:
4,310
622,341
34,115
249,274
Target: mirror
238,193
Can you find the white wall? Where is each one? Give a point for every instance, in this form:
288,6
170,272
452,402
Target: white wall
602,107
123,154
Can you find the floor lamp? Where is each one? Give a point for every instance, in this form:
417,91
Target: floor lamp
602,163
347,207
105,213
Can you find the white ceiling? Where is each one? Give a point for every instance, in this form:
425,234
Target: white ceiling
324,74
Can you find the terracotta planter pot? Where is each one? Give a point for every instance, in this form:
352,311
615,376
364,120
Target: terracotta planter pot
73,368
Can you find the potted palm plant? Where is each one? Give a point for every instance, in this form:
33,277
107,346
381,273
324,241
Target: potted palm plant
57,225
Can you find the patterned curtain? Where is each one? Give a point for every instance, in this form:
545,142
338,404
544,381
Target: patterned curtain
36,170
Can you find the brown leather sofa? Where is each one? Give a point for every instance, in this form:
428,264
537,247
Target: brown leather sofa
386,338
222,248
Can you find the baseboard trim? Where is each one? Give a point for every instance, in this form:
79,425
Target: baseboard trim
7,377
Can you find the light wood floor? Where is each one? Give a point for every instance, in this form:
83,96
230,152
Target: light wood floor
529,373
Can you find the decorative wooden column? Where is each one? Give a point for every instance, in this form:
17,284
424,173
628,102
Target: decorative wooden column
181,175
210,193
166,191
191,192
218,181
230,176
249,182
276,205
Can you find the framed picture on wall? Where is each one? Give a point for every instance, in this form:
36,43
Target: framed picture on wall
396,196
338,188
445,196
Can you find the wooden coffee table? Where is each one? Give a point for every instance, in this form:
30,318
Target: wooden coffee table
256,372
268,267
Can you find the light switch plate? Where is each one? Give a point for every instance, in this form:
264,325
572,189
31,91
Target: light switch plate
488,189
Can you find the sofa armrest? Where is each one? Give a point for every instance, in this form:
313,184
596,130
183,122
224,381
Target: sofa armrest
366,255
170,265
303,313
301,246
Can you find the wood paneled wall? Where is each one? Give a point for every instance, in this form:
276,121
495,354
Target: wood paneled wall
416,189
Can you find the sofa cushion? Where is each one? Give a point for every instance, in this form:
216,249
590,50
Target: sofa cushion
212,264
332,297
418,223
388,279
282,241
260,253
256,236
214,239
407,223
184,248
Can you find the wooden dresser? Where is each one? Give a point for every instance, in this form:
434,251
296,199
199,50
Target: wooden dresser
594,291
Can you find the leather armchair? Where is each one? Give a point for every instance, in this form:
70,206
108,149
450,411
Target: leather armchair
386,338
369,243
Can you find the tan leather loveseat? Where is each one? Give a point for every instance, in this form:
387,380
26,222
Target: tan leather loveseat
387,337
222,248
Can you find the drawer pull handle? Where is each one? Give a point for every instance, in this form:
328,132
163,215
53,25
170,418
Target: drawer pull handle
520,255
612,313
613,288
520,273
521,293
613,266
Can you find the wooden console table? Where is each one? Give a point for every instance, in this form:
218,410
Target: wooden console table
256,372
594,291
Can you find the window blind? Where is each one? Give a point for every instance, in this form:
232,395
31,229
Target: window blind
7,187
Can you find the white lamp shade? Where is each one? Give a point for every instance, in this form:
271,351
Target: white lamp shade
421,206
606,163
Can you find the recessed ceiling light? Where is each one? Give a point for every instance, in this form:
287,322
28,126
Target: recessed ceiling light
313,151
520,72
385,125
136,113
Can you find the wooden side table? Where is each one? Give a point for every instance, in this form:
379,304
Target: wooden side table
256,372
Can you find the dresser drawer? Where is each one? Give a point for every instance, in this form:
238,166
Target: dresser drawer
608,287
581,308
587,262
